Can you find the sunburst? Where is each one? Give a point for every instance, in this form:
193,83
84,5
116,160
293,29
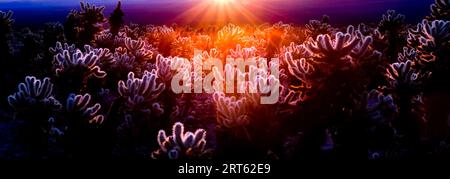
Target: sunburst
220,12
223,2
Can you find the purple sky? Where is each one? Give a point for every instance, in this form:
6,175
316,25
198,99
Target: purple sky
162,11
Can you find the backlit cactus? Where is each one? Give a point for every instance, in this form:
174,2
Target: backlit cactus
228,37
82,26
231,112
341,48
391,21
440,10
381,107
34,93
141,93
6,22
402,75
181,144
382,84
105,57
138,49
60,47
183,47
315,27
429,38
164,68
299,68
162,38
104,40
86,64
81,106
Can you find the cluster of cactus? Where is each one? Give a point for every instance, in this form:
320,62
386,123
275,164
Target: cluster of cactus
84,62
335,85
82,26
231,112
5,31
440,10
316,27
79,106
141,92
34,94
181,144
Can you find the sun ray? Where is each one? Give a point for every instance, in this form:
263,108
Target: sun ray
221,12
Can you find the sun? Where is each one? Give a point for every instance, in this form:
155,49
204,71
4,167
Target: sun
221,12
223,1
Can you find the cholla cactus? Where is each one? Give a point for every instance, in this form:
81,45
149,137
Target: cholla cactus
6,22
260,44
105,57
408,54
402,76
231,113
440,10
162,38
213,53
433,34
430,38
381,107
297,50
82,26
316,28
134,31
432,41
299,68
134,45
228,37
5,32
342,48
104,39
183,47
405,85
392,22
337,70
164,69
290,97
121,51
244,53
119,40
86,64
137,48
124,63
230,32
275,37
392,26
181,144
80,105
203,42
141,93
34,93
34,104
59,48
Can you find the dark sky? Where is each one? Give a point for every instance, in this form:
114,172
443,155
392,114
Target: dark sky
36,12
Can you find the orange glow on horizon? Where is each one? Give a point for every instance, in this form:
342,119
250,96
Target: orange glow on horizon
222,12
223,1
